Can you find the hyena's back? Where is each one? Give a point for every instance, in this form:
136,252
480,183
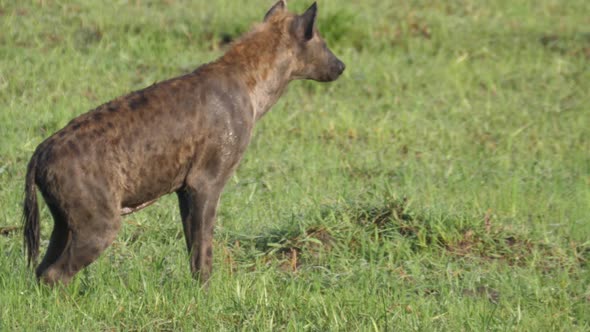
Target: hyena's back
142,145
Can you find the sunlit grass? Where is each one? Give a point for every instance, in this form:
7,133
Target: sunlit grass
443,183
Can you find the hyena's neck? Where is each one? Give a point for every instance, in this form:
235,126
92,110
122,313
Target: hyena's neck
267,87
261,63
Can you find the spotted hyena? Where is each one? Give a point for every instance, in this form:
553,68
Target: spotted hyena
185,135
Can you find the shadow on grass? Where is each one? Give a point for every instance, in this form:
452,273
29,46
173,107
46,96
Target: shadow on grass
575,45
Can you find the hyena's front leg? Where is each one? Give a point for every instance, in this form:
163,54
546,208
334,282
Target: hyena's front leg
198,208
185,203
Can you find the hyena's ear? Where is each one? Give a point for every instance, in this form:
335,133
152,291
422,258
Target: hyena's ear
305,23
280,6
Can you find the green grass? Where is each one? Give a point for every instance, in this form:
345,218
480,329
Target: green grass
443,183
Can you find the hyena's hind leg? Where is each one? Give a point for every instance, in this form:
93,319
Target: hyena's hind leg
91,231
59,238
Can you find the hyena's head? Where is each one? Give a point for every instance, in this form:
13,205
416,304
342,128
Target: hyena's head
310,56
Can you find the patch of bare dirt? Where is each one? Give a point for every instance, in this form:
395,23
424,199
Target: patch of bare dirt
8,230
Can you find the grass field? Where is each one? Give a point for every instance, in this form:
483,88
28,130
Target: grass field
442,183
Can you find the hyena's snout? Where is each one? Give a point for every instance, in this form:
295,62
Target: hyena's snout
335,69
339,67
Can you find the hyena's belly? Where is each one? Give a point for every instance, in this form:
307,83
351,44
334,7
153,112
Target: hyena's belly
143,183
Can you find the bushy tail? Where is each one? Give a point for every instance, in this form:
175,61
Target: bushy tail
31,214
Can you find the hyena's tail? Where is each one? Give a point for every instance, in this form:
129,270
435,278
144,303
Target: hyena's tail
31,214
